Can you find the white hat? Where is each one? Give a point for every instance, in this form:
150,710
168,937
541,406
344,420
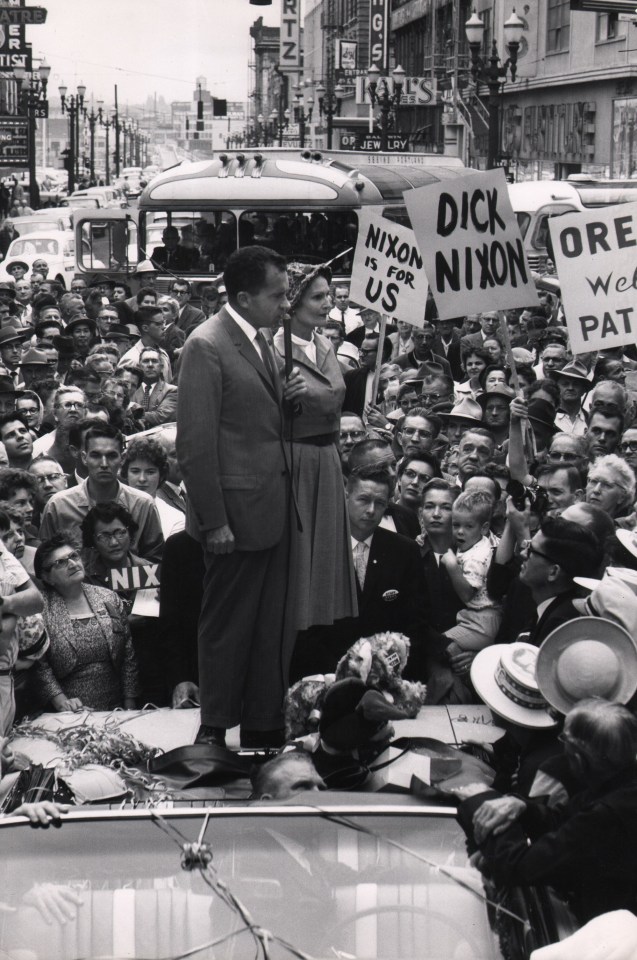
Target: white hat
504,677
587,657
628,540
612,599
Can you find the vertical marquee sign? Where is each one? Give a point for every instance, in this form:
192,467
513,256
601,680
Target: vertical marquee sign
290,37
378,33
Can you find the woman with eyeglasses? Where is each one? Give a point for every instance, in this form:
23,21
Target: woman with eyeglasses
90,661
107,530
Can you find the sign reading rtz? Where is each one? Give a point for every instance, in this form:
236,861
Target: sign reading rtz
595,252
135,578
388,274
471,245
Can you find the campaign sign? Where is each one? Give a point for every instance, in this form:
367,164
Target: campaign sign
471,245
388,273
135,578
595,254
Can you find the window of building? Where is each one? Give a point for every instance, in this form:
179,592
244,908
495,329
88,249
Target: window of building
558,25
606,26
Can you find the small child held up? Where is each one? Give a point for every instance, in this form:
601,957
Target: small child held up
478,622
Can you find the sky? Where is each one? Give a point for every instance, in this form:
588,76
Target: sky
148,46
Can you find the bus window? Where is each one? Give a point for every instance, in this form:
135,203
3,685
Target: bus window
108,244
397,215
189,241
309,236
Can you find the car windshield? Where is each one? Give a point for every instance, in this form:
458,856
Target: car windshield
400,888
34,245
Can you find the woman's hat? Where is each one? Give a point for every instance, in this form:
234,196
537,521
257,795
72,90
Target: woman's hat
587,657
465,409
504,677
542,412
300,276
79,322
575,370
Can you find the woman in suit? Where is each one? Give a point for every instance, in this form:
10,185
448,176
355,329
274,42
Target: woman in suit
321,551
90,660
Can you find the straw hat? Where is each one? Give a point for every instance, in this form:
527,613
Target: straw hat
587,657
614,600
504,677
465,409
300,276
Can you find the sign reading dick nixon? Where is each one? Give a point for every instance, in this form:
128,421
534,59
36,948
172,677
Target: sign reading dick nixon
595,255
471,245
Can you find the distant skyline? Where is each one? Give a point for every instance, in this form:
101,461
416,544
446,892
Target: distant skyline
148,46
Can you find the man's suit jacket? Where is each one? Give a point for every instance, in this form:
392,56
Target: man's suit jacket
443,603
189,318
168,495
405,520
163,403
230,436
452,354
477,340
355,382
182,574
392,598
560,610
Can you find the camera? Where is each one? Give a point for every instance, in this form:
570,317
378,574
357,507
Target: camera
536,496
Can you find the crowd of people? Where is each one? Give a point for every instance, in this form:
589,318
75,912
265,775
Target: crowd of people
472,489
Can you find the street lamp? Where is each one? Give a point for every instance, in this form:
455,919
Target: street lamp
329,102
33,102
92,118
72,105
387,100
106,124
302,116
492,73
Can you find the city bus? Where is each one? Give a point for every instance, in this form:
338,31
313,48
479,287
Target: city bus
302,204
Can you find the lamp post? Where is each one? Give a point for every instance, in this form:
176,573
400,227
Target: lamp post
302,116
33,102
92,118
106,124
329,101
72,106
381,95
492,73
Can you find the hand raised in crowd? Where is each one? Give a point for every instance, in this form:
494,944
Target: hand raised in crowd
185,696
519,520
295,385
220,540
494,816
375,417
519,409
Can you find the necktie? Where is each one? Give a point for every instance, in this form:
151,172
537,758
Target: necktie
146,397
268,359
360,562
343,318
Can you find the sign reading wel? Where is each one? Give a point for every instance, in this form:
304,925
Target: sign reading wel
596,258
471,245
388,273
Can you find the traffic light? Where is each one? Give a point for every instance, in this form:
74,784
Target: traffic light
219,107
67,162
200,116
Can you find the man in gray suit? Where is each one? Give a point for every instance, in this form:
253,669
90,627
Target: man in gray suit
235,465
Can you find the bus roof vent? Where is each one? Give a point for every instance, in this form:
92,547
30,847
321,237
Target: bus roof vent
317,157
306,155
225,169
241,165
258,165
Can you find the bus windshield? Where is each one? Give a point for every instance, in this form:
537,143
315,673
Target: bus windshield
200,241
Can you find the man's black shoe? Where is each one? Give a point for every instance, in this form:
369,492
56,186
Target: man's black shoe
211,735
254,739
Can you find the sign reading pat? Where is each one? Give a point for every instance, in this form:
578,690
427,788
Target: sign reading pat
471,246
595,254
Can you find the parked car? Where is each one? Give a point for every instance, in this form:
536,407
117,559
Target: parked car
42,220
325,875
57,248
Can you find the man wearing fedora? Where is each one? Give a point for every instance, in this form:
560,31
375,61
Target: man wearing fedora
11,340
82,332
34,366
573,383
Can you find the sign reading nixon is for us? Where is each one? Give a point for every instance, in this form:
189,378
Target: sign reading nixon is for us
595,254
471,245
388,274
